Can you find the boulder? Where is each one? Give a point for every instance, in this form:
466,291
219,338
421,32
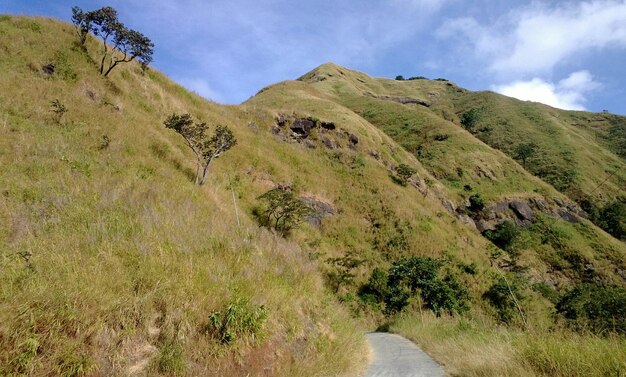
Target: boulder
522,210
48,69
302,127
467,221
329,143
328,125
567,215
353,139
540,204
320,210
281,121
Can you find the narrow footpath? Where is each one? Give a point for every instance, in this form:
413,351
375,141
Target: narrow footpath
395,356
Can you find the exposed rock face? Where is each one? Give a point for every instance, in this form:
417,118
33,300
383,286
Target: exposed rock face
467,221
522,210
353,139
329,143
416,182
281,121
302,127
328,125
405,100
320,209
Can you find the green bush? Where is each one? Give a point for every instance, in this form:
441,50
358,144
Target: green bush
409,277
596,307
283,210
469,119
477,203
239,319
403,173
502,296
504,236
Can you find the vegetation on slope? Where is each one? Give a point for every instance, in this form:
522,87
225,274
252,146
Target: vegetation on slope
116,263
111,261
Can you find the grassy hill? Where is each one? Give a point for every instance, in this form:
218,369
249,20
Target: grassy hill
114,263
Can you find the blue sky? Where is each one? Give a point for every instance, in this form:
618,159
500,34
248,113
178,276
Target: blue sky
568,54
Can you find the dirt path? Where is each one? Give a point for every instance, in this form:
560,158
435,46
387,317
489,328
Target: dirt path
395,356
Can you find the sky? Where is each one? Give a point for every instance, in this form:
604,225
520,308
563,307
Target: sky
567,54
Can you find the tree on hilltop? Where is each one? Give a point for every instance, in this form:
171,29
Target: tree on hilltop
126,44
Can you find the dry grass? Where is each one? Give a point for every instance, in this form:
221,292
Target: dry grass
478,347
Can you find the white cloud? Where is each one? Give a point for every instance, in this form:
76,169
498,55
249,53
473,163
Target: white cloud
199,86
243,45
568,93
536,38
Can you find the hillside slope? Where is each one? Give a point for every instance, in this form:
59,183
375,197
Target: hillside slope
111,261
114,263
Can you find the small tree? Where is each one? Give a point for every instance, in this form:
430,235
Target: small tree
404,172
127,44
82,24
221,141
400,78
205,150
284,210
525,151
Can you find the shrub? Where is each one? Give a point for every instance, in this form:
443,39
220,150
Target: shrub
469,119
613,218
409,277
283,210
240,319
400,78
403,173
596,307
376,288
504,236
502,297
477,203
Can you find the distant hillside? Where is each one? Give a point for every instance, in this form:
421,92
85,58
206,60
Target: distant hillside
114,263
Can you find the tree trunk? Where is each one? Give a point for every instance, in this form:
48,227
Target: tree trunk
110,68
206,170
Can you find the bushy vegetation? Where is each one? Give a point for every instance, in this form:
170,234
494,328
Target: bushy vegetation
595,307
611,217
504,236
391,290
282,210
403,173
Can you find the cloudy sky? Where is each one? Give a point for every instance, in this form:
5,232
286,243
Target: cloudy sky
568,54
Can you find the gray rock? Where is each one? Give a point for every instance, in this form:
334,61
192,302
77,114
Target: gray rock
540,204
522,210
281,121
320,211
467,221
329,143
567,215
328,125
483,225
353,139
302,127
